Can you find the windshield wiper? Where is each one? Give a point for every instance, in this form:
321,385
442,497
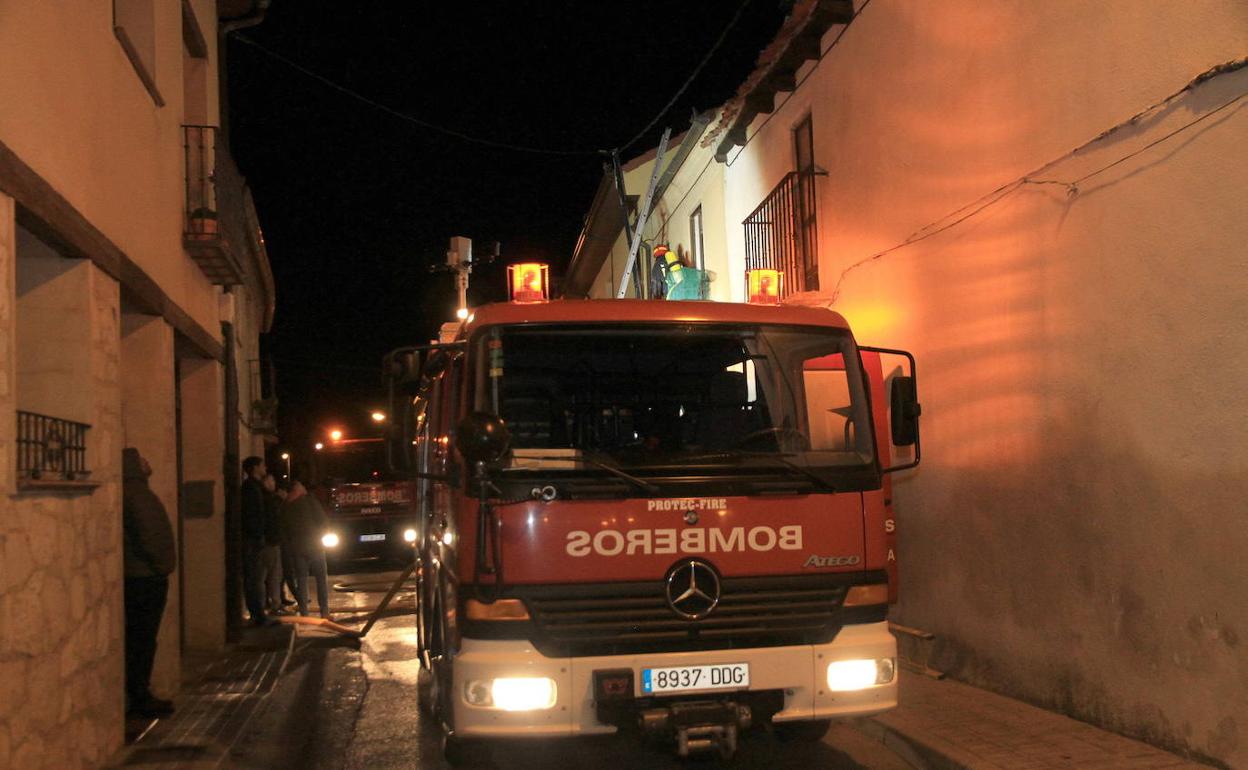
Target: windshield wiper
597,461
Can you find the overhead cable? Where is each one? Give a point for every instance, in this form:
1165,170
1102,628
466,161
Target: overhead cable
411,118
960,215
689,80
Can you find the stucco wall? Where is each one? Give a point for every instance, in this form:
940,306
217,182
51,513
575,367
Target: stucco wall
147,409
1074,535
698,182
203,568
54,324
8,338
88,126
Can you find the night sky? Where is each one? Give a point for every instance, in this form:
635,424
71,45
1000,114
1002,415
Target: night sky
356,202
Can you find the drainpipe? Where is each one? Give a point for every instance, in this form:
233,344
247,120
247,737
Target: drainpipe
232,472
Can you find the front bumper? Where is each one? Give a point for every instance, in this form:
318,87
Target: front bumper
389,528
798,672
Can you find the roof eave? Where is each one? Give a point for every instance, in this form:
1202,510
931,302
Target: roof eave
602,225
797,42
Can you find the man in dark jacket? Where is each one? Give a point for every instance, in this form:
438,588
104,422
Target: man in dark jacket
271,556
252,500
304,523
150,555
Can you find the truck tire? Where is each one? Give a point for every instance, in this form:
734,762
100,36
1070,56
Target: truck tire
425,693
802,732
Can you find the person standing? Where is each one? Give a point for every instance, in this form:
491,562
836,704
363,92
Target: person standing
253,538
303,524
149,557
271,554
288,569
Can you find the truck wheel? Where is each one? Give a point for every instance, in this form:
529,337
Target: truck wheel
803,732
425,696
466,753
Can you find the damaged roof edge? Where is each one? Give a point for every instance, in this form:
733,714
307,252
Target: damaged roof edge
797,42
602,224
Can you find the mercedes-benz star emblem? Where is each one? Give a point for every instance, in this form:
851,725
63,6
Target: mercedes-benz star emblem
692,589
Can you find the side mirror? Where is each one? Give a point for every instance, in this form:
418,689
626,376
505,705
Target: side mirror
483,438
905,409
903,403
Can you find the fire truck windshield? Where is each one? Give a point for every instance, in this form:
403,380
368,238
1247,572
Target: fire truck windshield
353,461
650,398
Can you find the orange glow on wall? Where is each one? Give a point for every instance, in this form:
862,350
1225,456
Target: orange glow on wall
763,286
528,282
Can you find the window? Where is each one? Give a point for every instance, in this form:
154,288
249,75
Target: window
134,24
695,239
804,210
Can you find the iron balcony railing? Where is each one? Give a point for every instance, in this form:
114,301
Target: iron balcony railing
781,233
51,449
215,224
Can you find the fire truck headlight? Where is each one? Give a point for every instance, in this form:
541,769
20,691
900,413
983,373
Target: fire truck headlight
330,539
848,675
523,693
409,535
511,694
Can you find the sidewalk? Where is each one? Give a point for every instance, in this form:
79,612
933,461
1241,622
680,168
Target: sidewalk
938,725
214,706
943,724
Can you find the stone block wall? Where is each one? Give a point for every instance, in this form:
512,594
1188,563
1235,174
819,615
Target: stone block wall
61,652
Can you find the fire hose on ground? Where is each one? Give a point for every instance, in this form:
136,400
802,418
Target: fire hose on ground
377,612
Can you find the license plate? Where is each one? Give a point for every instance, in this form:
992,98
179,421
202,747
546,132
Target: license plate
373,509
372,538
725,676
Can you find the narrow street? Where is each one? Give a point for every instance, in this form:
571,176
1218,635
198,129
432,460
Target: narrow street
336,706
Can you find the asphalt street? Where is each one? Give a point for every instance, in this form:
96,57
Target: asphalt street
347,704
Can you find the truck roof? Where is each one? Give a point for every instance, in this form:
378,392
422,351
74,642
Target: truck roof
644,311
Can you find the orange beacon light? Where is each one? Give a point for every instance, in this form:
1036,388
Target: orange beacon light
528,282
763,286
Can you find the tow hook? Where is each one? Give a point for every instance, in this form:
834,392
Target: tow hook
698,725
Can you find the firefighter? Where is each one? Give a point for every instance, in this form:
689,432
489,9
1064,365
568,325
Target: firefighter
683,282
658,272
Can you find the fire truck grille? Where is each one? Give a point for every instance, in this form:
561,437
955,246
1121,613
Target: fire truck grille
627,618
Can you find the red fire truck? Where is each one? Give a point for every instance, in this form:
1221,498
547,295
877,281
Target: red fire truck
370,508
672,518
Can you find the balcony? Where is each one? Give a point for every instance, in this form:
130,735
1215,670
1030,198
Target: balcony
50,449
214,232
781,233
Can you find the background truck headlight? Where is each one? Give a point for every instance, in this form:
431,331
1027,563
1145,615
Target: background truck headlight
847,675
330,539
409,535
512,694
